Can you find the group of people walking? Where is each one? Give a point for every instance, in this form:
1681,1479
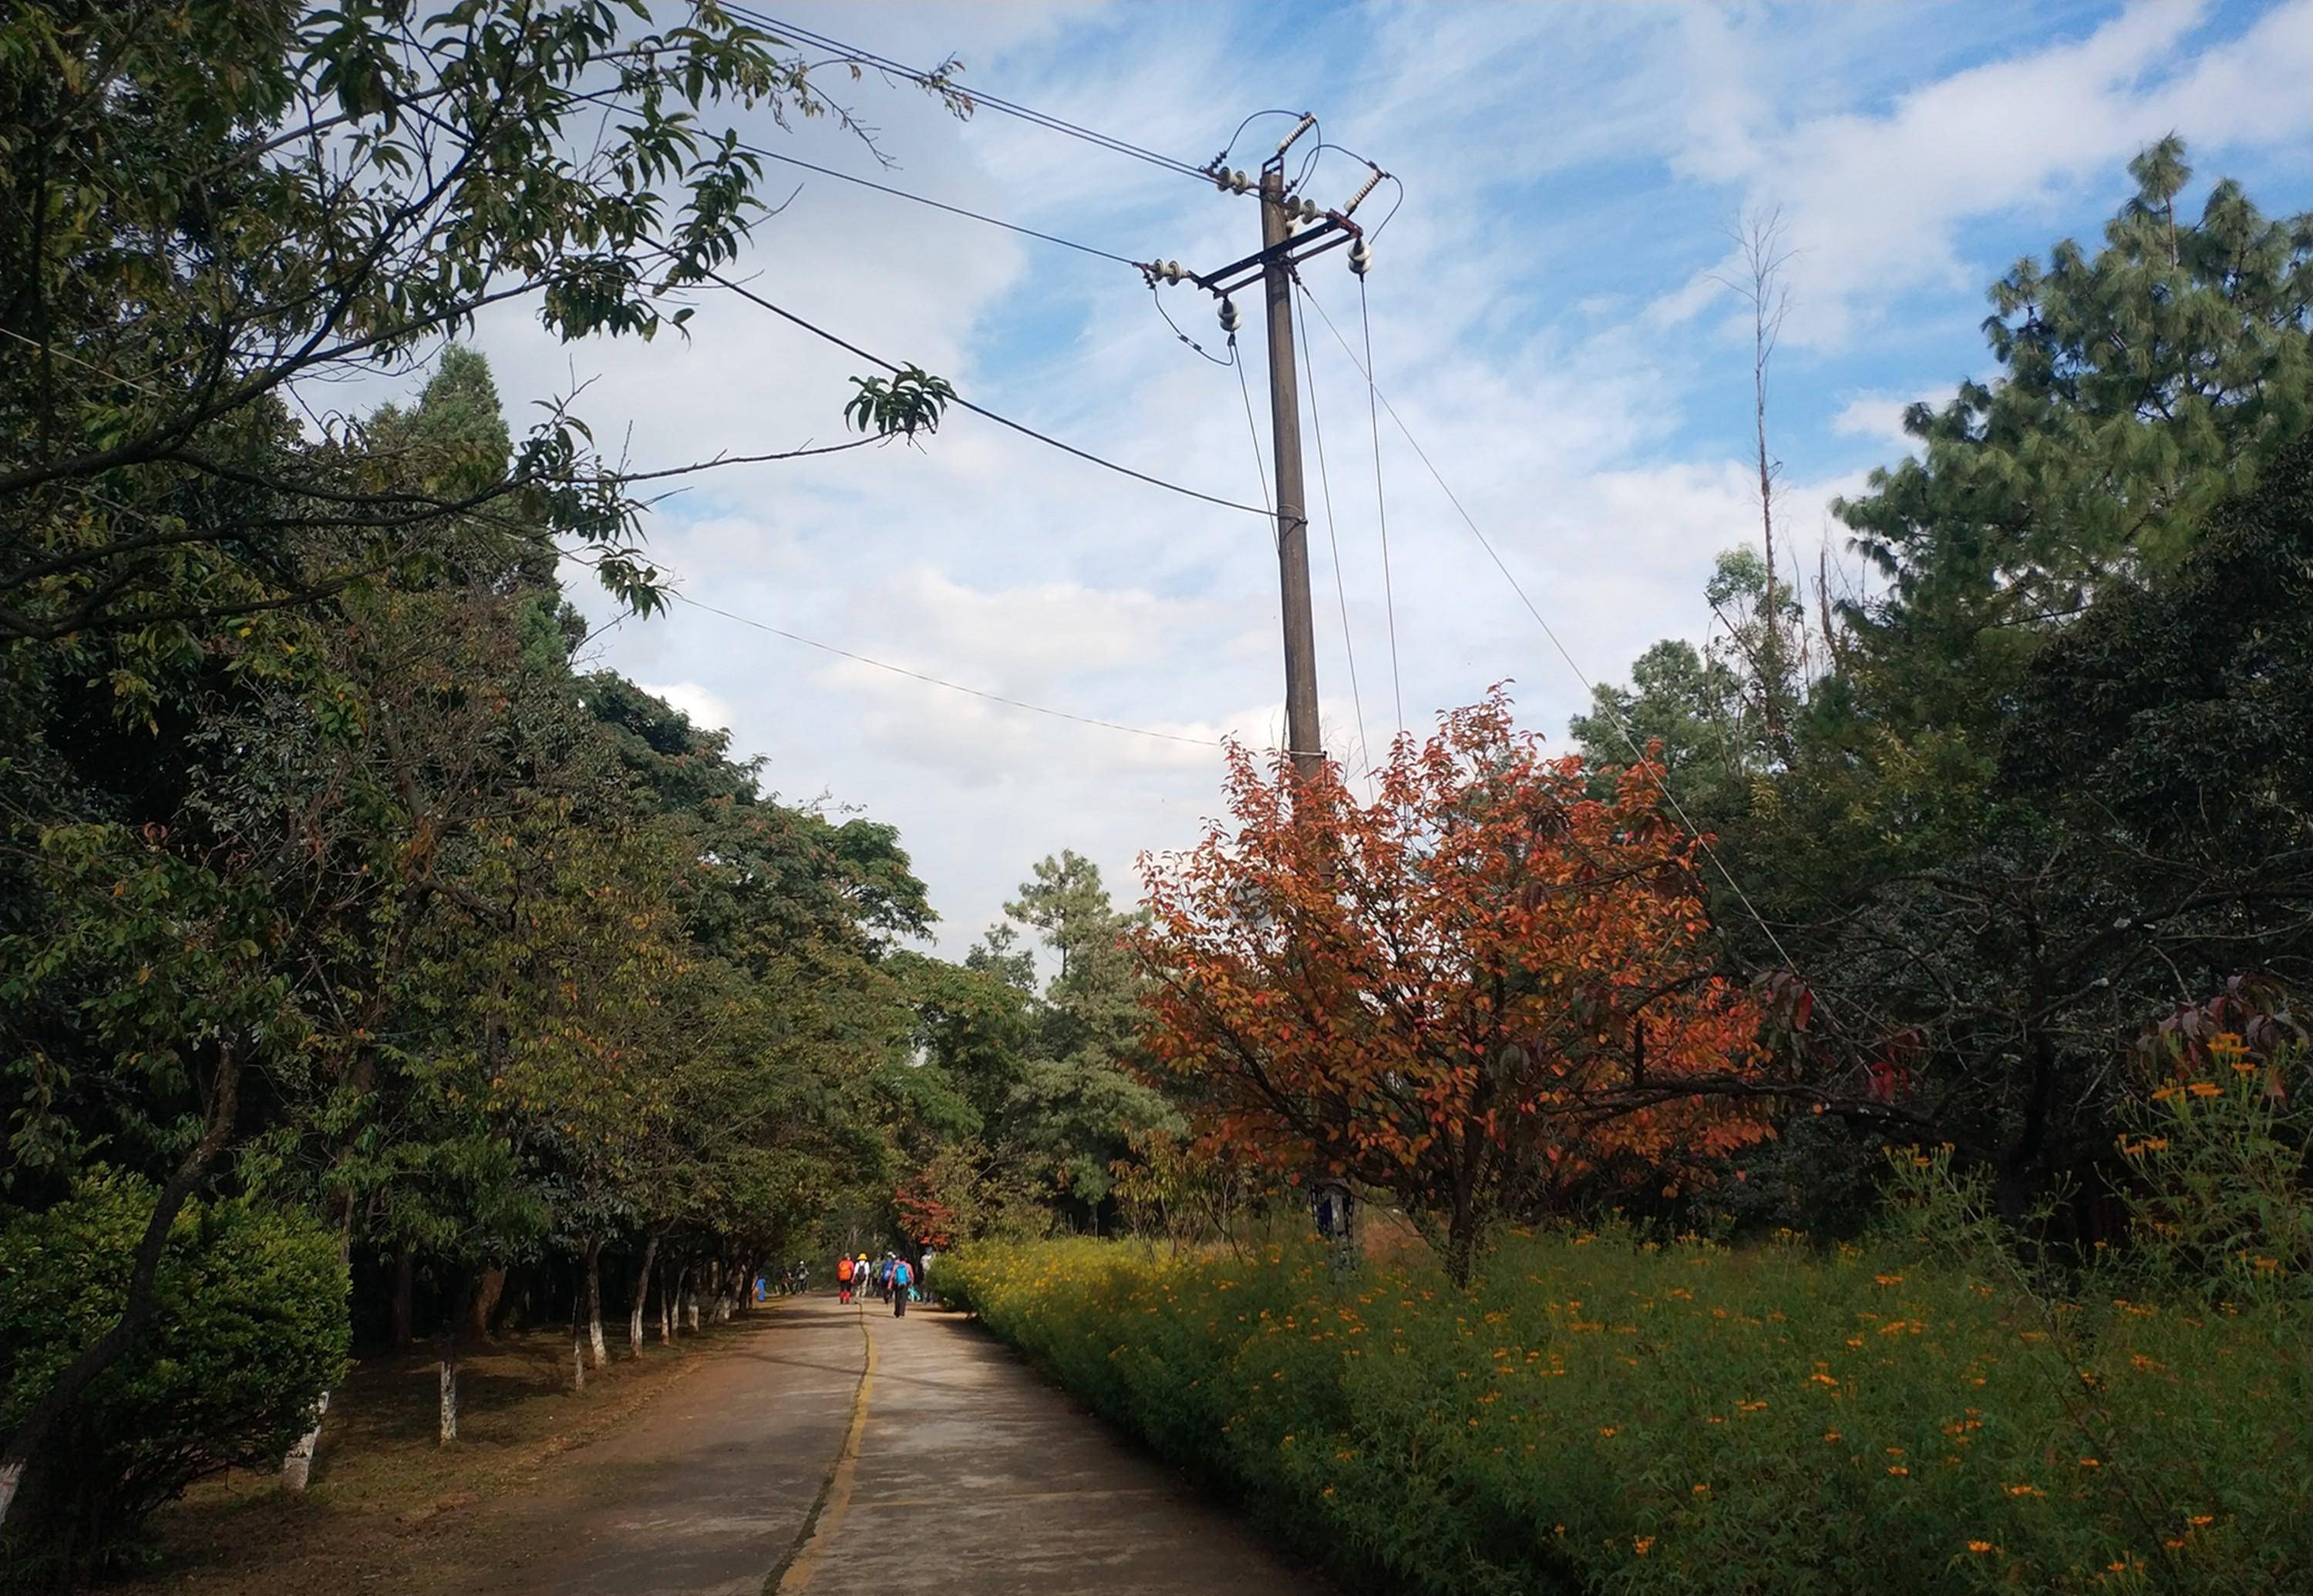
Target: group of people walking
892,1278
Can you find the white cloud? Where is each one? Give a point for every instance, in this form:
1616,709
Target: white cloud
1876,200
1875,416
1567,168
708,709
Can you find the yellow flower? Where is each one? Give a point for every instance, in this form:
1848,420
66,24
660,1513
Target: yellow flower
1898,1468
2202,1089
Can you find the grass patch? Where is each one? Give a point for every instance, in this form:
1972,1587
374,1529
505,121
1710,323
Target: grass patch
1599,1413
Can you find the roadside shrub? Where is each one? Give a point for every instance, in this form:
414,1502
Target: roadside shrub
1601,1413
249,1331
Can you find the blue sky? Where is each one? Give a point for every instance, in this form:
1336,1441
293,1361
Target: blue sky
1542,315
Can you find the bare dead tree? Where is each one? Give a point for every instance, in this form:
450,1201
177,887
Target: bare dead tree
1756,278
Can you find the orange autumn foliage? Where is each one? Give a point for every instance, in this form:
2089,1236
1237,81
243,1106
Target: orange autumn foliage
925,1217
1484,992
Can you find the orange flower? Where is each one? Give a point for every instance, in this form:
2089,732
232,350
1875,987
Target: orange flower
1979,1546
1643,1545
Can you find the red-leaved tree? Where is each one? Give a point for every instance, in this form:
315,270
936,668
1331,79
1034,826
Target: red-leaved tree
1484,992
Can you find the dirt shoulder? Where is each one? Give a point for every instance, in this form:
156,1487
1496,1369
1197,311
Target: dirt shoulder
391,1511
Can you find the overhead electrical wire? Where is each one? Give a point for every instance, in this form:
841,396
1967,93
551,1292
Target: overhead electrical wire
900,670
1622,724
956,210
1333,541
792,33
1158,300
1253,431
1381,500
1021,428
1390,178
1229,148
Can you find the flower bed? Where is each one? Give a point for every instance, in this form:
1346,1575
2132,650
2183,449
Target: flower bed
1603,1414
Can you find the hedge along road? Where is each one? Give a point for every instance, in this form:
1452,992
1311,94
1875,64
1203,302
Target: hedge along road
842,1449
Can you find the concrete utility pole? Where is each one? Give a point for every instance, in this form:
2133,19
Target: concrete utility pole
1292,230
1303,739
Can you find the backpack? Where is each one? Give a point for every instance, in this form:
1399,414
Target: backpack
901,1275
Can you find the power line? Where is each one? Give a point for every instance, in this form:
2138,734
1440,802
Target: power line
956,210
900,670
1614,715
1157,299
1253,430
1019,427
973,97
1381,502
1230,146
1333,541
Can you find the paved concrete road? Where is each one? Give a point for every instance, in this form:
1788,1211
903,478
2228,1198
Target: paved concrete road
949,1468
709,1487
970,1476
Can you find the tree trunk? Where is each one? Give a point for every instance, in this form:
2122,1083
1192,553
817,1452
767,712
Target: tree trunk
595,1346
487,1293
690,1308
405,1297
139,1301
577,1350
665,1303
450,1321
642,1290
297,1468
1462,1235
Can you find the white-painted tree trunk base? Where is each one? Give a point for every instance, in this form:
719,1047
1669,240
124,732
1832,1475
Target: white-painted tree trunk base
10,1477
449,1402
297,1468
595,1345
577,1365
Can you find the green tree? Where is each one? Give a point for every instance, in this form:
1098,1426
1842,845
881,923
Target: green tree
2042,795
269,693
2140,386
